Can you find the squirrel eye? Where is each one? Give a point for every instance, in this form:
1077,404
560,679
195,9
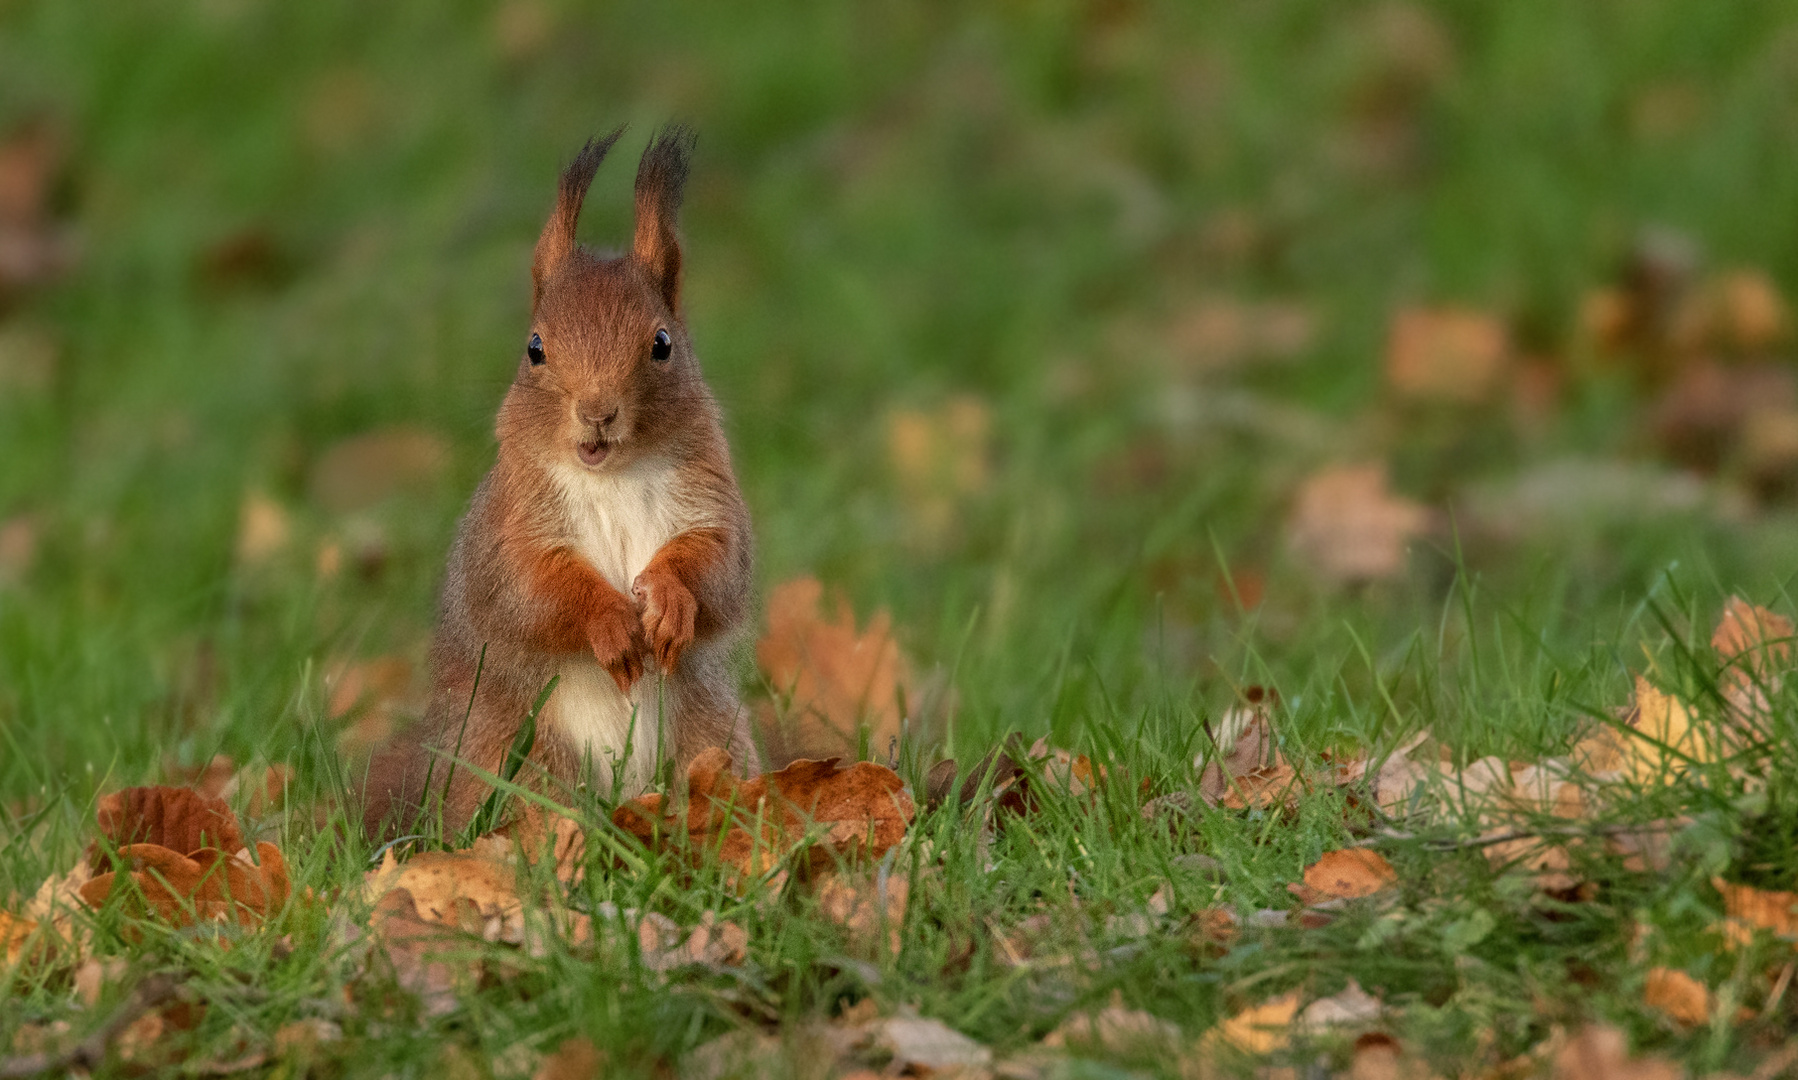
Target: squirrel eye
535,348
664,346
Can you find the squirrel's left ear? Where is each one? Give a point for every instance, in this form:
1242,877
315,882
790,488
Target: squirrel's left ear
661,176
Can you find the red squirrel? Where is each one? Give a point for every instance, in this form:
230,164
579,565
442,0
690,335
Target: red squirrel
608,548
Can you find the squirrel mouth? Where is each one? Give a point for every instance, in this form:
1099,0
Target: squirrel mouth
594,451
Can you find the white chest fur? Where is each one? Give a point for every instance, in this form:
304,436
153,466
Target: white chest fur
617,521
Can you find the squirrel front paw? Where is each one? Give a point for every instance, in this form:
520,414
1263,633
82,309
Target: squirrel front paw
613,634
669,615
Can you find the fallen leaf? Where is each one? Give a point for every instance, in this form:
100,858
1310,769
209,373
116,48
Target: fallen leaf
663,945
474,891
364,470
1756,646
1379,1056
575,1059
871,906
18,548
426,957
1116,1030
300,1038
1738,311
1262,1029
1599,1052
922,1042
1677,994
1348,1007
1751,909
1348,527
204,885
179,819
1346,874
1447,354
859,811
1700,418
15,934
840,684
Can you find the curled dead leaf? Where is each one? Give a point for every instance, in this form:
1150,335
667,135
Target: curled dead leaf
859,811
204,885
179,819
1260,1029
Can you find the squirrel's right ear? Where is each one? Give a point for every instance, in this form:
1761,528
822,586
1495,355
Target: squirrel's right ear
558,242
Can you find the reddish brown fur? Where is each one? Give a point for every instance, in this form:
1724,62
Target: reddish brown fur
516,585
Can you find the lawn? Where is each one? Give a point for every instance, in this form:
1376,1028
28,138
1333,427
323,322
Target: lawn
1121,373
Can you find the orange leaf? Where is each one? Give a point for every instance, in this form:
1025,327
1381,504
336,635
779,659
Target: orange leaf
864,809
1760,908
1447,354
179,819
1678,995
1348,874
206,885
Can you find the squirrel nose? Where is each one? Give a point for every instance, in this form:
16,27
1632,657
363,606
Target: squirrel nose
600,416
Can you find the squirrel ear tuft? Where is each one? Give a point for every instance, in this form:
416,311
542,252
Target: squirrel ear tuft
661,176
558,242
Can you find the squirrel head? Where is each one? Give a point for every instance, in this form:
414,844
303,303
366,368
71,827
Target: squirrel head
607,373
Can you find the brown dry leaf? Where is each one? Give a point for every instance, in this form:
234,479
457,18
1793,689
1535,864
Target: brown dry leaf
1220,333
1348,527
939,458
474,891
1678,995
364,470
263,529
205,885
1600,1052
300,1038
1246,749
860,811
927,1044
1749,909
1346,874
1756,644
1349,1007
428,958
1447,354
179,819
870,906
1380,1057
15,934
575,1059
56,902
663,945
1116,1030
537,833
1740,312
838,681
1262,1029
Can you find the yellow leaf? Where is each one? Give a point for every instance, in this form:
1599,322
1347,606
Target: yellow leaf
1263,1029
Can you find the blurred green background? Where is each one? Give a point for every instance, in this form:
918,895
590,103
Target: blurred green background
1030,320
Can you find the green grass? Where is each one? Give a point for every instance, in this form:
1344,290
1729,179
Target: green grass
893,205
